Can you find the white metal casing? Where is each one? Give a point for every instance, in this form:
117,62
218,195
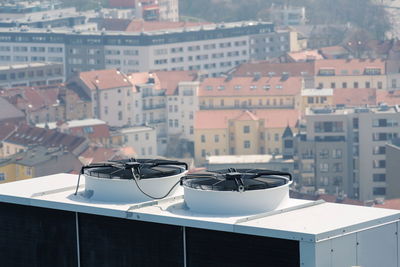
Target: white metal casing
126,190
235,202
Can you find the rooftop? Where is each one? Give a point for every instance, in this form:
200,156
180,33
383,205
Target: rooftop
266,68
314,220
26,136
104,79
243,159
33,157
197,28
351,110
317,92
353,97
249,86
350,66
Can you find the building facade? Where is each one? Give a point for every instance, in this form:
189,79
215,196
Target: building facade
346,148
212,48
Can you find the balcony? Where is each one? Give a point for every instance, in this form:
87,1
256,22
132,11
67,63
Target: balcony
151,107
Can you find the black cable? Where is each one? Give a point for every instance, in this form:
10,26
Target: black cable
140,189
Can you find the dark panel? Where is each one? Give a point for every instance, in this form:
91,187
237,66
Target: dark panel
107,241
31,236
215,248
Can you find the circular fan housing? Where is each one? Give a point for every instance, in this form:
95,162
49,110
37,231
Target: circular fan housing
114,181
236,191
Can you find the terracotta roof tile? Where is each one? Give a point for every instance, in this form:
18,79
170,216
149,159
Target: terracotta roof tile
354,96
98,154
169,80
390,204
265,68
349,66
247,86
104,79
389,97
219,119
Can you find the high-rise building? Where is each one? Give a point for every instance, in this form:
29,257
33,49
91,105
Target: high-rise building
343,150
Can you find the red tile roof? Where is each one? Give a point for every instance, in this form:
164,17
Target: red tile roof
26,135
248,86
104,79
6,128
99,131
98,154
390,204
219,119
140,25
265,68
349,66
391,98
169,80
354,96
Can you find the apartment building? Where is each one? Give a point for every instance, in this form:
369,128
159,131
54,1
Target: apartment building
112,95
350,73
211,48
346,147
32,74
241,132
250,92
142,139
287,15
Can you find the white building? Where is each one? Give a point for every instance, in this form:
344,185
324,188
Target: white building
143,139
211,48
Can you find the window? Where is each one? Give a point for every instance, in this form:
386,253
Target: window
216,152
377,164
337,167
203,153
367,85
88,129
324,153
276,137
310,100
203,138
246,129
328,127
176,123
355,84
379,150
216,138
120,115
246,144
147,136
379,177
2,176
379,191
380,86
324,167
337,153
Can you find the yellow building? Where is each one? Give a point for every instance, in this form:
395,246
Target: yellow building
250,92
238,132
350,73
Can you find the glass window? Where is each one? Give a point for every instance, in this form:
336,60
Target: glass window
246,129
246,144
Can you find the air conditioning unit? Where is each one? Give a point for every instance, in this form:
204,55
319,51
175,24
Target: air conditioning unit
132,180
